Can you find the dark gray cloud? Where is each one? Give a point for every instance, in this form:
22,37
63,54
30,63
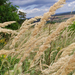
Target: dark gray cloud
38,3
39,7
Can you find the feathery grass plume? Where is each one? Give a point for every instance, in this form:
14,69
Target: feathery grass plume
47,15
7,52
9,31
43,34
20,45
6,23
36,41
33,40
52,53
68,66
30,47
31,20
58,54
28,22
26,53
52,37
56,66
23,44
74,73
43,19
66,51
4,30
24,28
19,34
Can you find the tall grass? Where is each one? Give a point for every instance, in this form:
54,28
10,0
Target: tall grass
36,51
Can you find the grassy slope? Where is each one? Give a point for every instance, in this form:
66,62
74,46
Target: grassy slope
63,40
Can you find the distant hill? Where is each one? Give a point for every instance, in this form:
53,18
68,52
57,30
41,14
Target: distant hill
65,13
59,17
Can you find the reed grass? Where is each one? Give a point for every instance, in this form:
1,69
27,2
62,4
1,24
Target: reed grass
35,51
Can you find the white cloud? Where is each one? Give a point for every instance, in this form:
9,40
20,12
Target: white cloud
30,10
66,8
34,12
71,3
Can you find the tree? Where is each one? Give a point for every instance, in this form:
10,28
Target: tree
3,1
22,15
8,12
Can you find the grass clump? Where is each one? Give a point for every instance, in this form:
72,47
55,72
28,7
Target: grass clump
45,49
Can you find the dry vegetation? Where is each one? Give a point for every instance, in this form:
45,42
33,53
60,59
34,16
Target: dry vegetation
38,51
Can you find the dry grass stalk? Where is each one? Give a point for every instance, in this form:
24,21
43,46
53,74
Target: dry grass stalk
8,31
27,53
43,21
28,22
64,65
52,53
46,16
33,40
4,30
74,73
52,37
23,28
19,34
66,51
68,67
29,48
6,23
56,66
6,52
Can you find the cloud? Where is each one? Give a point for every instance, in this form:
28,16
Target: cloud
34,12
22,3
28,4
39,7
38,3
71,4
66,8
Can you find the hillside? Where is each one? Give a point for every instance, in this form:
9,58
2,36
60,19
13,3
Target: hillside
62,16
65,13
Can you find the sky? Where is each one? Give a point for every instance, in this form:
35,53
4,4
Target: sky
39,7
